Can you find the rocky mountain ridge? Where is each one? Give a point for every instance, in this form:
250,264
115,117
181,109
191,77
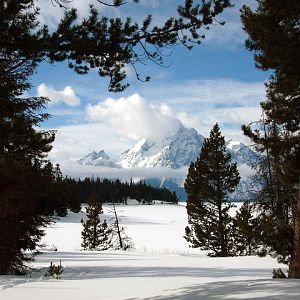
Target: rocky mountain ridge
174,151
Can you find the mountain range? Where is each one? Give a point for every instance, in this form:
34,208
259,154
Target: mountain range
173,151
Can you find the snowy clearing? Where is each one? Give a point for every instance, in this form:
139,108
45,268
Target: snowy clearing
161,267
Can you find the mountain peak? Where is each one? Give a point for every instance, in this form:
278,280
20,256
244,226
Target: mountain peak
99,158
232,144
174,151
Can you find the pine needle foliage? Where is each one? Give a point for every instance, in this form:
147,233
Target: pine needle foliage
209,181
92,227
274,38
95,42
246,225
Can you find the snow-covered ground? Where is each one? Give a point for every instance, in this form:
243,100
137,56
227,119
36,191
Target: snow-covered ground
162,266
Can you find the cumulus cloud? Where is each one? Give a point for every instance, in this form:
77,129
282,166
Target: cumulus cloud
115,124
134,117
72,142
67,95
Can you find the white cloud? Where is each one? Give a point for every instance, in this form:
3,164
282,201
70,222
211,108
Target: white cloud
115,124
229,119
74,141
134,117
51,13
83,171
67,95
231,34
199,95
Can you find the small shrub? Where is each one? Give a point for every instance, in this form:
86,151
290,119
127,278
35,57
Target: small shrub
278,273
55,270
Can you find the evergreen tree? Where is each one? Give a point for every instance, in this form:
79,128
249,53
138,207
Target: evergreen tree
274,37
245,226
106,237
95,42
274,200
92,227
24,178
102,43
209,181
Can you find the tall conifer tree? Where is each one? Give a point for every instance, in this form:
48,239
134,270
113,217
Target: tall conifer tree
95,42
92,227
245,227
274,37
209,181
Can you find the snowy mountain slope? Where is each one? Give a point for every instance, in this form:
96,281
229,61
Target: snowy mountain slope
99,158
240,153
173,151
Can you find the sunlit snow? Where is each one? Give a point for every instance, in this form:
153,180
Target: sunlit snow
162,266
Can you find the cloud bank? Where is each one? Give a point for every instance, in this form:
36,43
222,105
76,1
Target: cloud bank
67,95
134,117
115,124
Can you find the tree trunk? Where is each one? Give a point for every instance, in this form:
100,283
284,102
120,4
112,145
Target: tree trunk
294,270
118,227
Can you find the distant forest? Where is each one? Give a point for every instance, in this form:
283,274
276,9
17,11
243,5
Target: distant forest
68,193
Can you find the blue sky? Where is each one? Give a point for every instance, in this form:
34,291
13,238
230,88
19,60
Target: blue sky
215,82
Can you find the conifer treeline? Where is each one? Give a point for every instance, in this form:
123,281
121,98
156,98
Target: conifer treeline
71,193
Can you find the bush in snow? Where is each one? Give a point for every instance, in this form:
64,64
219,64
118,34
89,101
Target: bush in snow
102,236
55,270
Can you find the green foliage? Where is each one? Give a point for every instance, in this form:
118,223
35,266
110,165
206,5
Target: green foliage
270,230
102,236
273,35
55,270
104,44
245,226
92,227
209,181
77,191
23,172
274,200
96,42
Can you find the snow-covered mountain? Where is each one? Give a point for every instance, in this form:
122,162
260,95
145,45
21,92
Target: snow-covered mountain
241,153
99,158
173,151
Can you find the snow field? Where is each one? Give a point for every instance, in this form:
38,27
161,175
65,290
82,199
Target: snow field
161,267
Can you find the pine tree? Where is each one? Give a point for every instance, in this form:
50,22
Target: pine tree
245,230
209,181
106,237
273,35
274,200
92,227
24,178
97,42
